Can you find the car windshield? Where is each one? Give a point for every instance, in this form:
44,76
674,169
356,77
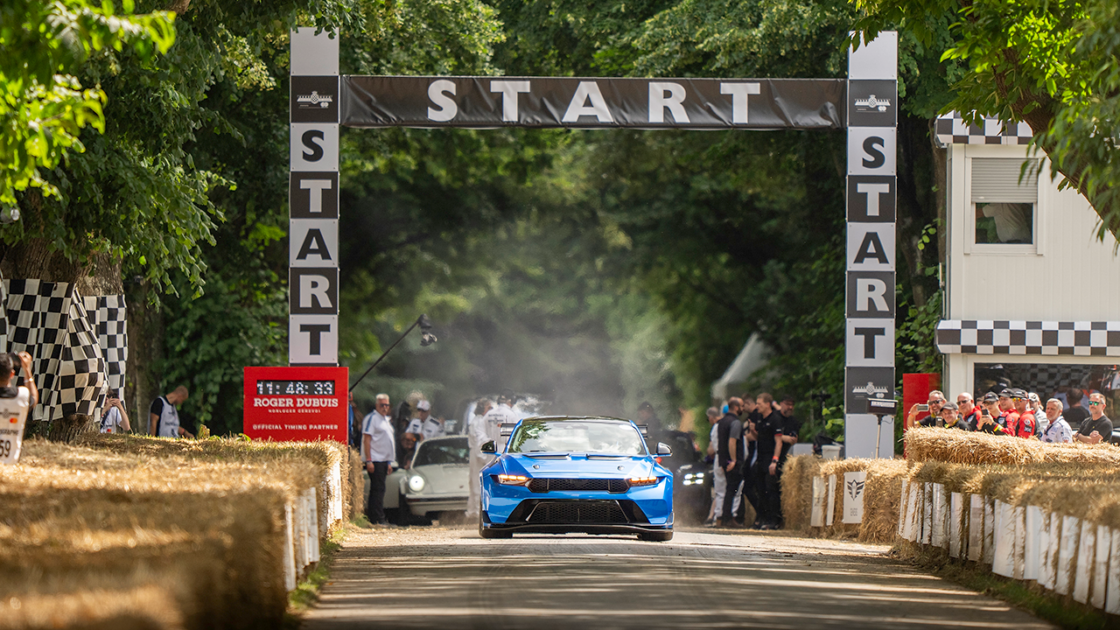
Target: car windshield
577,436
436,452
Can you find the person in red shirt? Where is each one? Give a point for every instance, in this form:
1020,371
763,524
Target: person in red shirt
967,408
1022,422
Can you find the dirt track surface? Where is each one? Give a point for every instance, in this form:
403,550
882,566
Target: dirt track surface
450,578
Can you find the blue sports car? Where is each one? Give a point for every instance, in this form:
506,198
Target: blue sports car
588,475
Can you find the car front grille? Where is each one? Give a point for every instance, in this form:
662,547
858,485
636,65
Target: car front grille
579,485
581,512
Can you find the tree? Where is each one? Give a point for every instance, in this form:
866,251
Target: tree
1049,63
43,105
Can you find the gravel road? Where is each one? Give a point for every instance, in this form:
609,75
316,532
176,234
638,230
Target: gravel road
449,578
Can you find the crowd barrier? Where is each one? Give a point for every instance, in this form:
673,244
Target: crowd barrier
1039,513
224,528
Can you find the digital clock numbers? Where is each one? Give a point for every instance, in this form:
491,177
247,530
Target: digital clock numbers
295,388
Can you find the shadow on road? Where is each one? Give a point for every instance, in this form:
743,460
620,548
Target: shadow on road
455,580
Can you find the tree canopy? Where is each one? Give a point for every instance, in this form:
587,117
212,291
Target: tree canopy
1049,63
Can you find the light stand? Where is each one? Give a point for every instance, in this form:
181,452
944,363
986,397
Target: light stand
426,339
881,408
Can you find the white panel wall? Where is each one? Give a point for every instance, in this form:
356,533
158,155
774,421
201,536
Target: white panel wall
1072,277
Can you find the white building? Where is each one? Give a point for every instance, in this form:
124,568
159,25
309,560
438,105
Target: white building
1032,296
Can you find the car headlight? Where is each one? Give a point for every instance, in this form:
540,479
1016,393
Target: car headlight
416,483
513,480
642,481
691,479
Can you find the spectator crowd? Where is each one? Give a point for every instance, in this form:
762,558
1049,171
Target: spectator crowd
751,438
1017,413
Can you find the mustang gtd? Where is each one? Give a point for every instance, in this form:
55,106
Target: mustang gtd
588,475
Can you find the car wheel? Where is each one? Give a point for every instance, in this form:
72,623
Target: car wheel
490,533
403,515
664,536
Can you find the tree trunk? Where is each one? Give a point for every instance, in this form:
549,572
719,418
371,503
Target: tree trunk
145,356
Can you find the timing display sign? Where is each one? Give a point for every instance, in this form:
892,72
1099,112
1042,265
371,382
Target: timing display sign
287,404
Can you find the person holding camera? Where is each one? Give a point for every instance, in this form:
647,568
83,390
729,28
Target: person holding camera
990,414
933,407
114,419
949,418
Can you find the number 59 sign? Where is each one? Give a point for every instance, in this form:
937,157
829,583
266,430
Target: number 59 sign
288,404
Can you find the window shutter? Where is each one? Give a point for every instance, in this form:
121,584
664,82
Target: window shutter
996,180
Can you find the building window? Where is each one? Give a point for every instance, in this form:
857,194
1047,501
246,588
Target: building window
1004,204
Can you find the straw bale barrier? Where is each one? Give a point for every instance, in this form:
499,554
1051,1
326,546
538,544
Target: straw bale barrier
880,504
1055,523
140,608
228,525
329,458
965,447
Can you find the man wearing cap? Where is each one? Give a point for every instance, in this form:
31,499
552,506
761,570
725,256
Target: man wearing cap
950,418
1058,430
1039,410
424,425
1006,406
988,420
1097,428
1022,422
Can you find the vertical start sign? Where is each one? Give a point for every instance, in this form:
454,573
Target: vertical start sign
296,404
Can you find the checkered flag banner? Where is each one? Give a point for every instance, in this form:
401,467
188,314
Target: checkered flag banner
65,334
1086,339
952,129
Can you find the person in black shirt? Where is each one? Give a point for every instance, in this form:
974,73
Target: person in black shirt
1097,428
750,486
791,427
1075,413
768,429
731,451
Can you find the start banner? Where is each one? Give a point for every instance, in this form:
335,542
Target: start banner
488,102
290,404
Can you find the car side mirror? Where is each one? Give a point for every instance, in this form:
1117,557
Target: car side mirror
488,447
663,450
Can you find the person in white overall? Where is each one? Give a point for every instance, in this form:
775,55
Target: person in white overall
15,403
476,437
164,417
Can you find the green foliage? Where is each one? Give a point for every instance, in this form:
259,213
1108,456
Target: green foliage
1049,63
43,105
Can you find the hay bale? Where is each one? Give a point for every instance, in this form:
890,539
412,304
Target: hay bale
962,447
357,485
218,524
797,490
139,608
880,502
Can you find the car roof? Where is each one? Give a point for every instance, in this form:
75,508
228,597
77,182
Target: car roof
561,418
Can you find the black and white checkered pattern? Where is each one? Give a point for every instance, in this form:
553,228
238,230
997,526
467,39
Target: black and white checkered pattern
108,315
951,129
1086,339
49,320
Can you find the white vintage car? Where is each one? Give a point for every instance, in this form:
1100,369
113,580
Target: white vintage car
436,481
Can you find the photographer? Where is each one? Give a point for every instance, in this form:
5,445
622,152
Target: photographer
936,399
15,403
988,420
114,419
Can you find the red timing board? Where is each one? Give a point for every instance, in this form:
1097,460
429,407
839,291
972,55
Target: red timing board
288,404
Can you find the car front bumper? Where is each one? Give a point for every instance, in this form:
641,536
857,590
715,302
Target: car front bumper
647,508
421,505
